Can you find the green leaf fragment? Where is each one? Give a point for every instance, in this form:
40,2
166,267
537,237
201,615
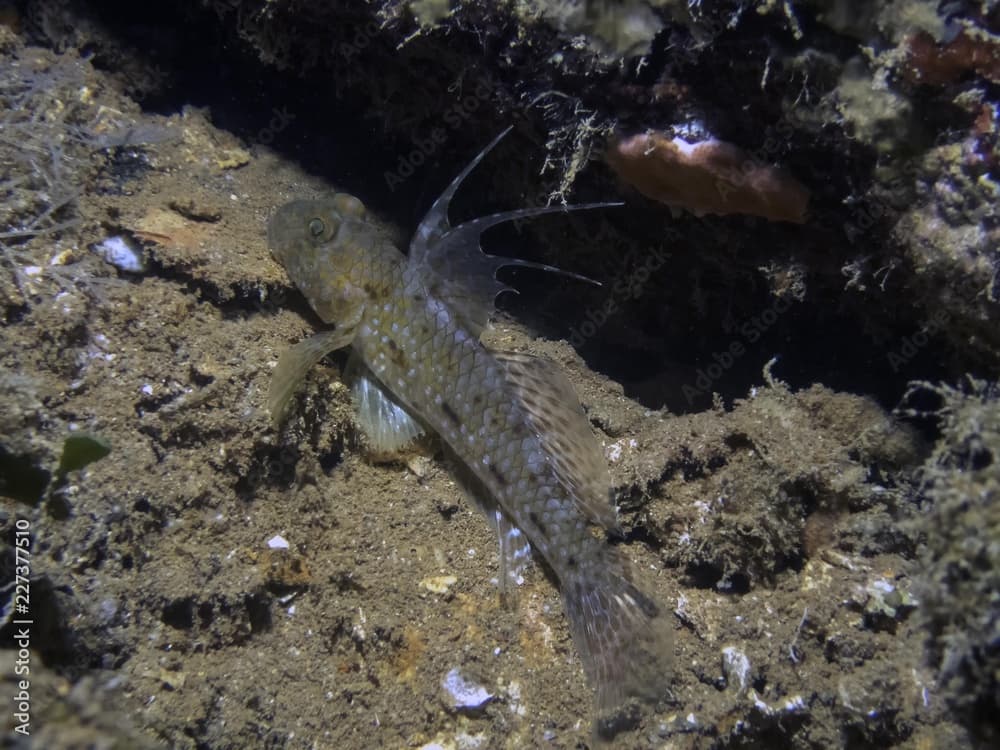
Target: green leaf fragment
81,449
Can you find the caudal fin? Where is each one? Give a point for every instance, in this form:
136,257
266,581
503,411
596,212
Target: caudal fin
624,637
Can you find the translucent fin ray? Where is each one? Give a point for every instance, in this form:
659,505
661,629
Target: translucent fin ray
557,418
436,224
515,556
514,547
624,636
452,262
386,423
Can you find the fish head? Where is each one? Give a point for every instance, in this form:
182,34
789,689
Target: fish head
303,226
324,246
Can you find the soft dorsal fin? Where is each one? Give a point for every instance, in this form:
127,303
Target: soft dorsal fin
555,413
453,264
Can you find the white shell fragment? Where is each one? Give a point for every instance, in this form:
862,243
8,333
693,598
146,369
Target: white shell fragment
883,599
462,694
122,253
736,668
277,542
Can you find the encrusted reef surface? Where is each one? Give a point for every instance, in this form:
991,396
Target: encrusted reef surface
792,365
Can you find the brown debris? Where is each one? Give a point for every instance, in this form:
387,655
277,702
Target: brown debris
709,177
168,229
940,64
195,211
282,569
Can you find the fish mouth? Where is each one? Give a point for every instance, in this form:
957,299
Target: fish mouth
281,228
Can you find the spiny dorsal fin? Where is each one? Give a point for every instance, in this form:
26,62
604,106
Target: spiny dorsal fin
436,224
452,262
558,419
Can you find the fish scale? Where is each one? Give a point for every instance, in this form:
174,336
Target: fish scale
461,391
511,423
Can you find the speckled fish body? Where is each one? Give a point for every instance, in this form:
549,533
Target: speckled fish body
511,421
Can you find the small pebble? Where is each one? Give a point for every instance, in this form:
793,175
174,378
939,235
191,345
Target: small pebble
736,668
438,584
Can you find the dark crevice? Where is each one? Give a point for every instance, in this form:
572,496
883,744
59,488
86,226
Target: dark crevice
179,614
21,479
258,607
235,300
641,534
270,466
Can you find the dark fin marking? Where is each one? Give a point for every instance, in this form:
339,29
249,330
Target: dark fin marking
556,417
501,479
454,265
450,413
538,524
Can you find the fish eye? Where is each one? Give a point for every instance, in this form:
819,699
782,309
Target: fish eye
317,227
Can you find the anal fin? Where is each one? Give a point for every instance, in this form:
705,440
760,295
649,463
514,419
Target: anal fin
514,547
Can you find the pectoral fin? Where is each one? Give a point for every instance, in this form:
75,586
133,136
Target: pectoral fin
296,361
